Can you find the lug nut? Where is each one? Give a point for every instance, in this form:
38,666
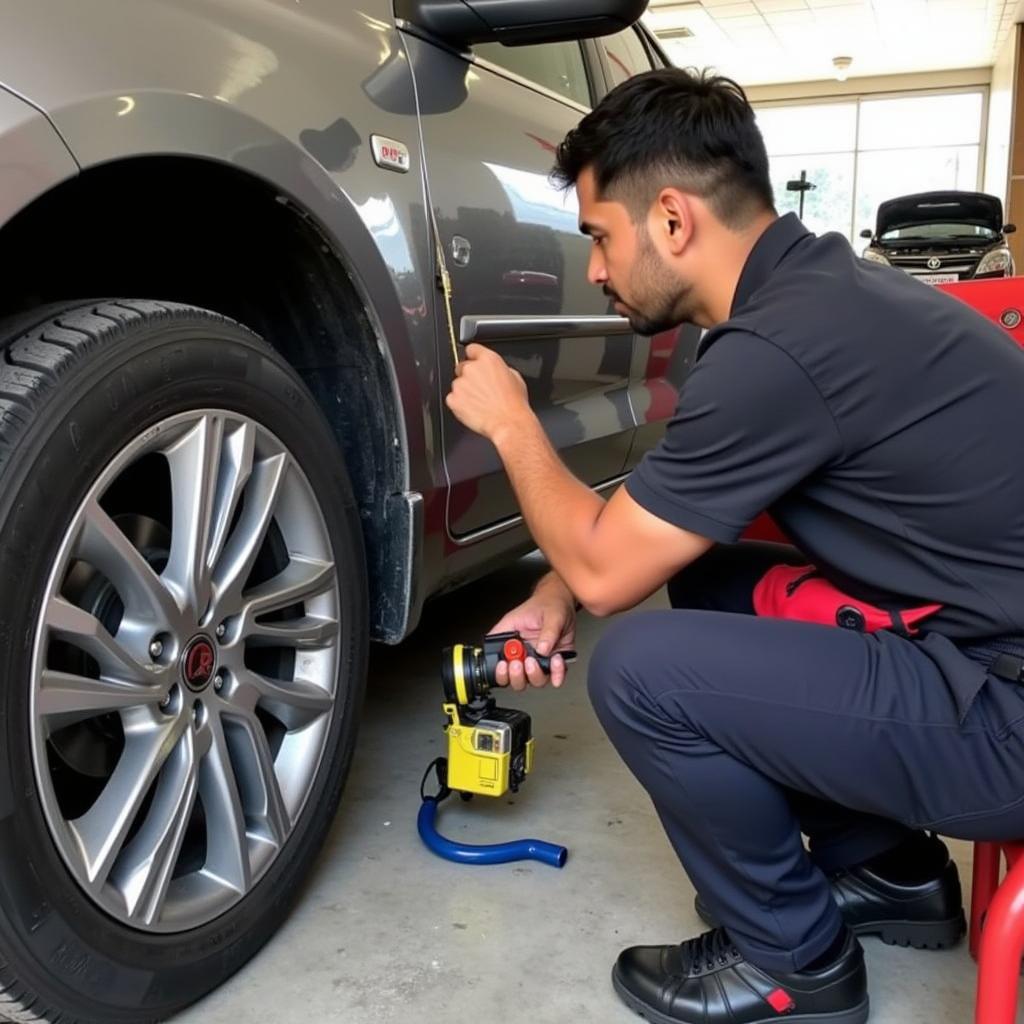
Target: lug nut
221,630
165,701
156,648
218,681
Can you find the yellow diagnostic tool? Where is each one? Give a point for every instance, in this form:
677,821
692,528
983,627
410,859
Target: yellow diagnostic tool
490,749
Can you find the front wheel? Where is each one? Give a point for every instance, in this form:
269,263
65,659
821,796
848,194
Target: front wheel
183,640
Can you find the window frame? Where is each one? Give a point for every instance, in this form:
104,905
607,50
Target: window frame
659,58
914,94
538,87
653,54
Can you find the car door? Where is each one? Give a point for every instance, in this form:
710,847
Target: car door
662,362
490,123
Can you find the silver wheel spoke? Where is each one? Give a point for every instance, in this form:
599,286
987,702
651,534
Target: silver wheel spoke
64,698
258,783
84,631
294,702
302,579
308,633
195,462
103,545
144,869
227,857
236,468
102,829
242,547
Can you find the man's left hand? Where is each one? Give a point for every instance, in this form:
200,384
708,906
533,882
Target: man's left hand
487,394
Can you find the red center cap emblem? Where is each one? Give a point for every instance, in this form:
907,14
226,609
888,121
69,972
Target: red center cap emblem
197,663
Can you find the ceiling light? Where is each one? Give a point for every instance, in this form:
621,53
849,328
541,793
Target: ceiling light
681,32
842,66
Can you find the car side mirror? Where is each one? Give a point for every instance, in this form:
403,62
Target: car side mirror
519,22
1008,229
866,233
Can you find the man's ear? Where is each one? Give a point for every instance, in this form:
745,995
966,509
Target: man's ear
674,219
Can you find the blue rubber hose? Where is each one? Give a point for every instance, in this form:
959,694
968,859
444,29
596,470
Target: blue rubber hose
495,853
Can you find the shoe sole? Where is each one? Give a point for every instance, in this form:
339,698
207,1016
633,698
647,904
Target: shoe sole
916,934
912,934
855,1015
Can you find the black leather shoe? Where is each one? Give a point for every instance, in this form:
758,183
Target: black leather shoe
928,915
707,981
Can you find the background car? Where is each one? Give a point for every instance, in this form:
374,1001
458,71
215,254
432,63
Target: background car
942,237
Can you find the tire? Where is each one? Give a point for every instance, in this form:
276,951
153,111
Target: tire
163,793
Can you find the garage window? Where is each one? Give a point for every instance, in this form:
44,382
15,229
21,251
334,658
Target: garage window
862,151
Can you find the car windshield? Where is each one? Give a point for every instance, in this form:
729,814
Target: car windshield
929,231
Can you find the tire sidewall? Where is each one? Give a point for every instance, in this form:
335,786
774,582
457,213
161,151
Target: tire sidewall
59,943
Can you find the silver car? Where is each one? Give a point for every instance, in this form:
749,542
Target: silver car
241,242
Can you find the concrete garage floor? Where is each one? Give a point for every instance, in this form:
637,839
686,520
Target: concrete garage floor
386,931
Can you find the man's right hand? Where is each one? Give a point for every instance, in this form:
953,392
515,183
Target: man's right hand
547,620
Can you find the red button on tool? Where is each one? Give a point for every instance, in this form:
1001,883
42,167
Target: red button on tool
514,650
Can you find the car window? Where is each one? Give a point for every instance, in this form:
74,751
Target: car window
557,66
626,54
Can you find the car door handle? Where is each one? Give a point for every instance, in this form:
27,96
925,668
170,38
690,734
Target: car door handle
530,328
529,279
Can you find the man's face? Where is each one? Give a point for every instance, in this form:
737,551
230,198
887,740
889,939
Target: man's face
626,264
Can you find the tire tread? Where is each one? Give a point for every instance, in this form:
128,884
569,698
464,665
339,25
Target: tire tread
33,361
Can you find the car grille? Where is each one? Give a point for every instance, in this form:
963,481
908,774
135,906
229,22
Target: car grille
963,264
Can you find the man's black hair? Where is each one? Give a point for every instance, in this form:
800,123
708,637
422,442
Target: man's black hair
671,127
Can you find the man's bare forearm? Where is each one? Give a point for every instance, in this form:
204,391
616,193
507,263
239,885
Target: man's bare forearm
554,583
560,511
610,554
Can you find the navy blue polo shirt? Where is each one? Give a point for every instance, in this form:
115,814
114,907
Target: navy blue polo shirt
880,421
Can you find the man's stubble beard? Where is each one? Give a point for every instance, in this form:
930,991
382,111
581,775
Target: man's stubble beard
663,300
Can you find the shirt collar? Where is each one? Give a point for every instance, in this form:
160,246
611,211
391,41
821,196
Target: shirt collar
777,239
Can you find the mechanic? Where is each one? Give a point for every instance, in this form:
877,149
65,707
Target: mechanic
880,422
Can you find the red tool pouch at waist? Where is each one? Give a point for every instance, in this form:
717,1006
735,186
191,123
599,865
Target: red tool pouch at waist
801,592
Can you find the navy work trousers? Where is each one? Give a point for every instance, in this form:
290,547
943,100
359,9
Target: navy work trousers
747,732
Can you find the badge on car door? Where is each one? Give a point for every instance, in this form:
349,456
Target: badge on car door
390,153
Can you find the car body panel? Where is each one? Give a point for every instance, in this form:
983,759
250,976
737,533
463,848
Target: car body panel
520,256
974,208
35,157
267,88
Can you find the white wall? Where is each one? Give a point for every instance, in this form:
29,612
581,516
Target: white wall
1000,120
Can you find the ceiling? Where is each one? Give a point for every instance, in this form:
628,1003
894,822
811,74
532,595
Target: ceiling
760,42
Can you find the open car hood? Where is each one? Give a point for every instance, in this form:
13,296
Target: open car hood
974,208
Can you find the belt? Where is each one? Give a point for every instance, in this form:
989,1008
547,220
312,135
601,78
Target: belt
1008,666
1002,655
